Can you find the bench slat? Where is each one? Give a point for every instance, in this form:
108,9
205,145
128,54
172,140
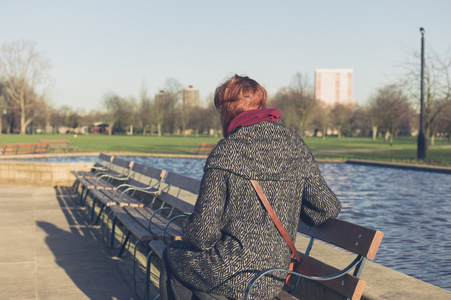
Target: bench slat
142,215
183,182
347,285
352,237
176,202
131,225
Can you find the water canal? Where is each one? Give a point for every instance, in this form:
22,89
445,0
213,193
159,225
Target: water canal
412,208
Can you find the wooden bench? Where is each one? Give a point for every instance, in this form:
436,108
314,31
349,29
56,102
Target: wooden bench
88,179
337,283
158,247
161,219
103,165
119,173
334,283
127,191
59,145
203,148
24,148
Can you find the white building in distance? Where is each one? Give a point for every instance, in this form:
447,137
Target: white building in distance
190,97
334,85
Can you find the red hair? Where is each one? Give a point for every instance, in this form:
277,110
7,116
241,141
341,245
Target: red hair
236,95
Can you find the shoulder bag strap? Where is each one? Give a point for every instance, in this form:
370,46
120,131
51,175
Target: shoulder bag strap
276,220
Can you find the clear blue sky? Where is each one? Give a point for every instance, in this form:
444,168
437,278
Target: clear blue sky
97,47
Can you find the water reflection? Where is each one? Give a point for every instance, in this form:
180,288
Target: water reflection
412,209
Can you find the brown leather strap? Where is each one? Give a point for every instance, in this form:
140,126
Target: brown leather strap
276,220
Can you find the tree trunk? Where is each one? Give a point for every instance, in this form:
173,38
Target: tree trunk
374,132
387,135
22,123
110,130
159,129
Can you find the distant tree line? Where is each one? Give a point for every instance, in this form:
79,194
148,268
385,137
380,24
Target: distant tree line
392,110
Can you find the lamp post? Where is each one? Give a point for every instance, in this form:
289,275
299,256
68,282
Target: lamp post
421,150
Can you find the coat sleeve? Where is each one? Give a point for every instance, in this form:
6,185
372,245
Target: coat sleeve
319,202
203,228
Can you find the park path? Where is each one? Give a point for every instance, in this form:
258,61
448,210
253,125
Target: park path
49,252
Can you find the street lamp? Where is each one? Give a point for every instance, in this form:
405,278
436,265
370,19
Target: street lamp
421,150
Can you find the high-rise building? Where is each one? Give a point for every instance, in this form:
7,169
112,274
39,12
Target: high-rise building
334,85
161,98
190,97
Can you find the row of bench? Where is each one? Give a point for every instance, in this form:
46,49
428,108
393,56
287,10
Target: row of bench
149,204
202,148
42,146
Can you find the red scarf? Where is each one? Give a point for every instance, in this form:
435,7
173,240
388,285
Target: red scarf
251,117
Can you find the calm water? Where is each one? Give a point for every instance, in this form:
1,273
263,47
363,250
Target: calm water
412,208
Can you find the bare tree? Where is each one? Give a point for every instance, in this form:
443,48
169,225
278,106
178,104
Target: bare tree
211,117
3,105
391,107
287,107
24,71
321,117
340,116
304,100
130,114
173,89
160,109
296,103
437,87
442,126
57,118
113,105
145,111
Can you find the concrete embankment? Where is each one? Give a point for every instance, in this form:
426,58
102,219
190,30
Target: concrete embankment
39,173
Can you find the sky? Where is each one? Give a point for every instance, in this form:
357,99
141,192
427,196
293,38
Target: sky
101,47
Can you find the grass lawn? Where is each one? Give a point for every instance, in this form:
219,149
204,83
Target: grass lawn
118,143
403,149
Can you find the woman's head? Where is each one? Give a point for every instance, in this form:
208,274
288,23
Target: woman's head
236,95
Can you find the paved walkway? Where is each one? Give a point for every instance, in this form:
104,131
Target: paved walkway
46,253
49,252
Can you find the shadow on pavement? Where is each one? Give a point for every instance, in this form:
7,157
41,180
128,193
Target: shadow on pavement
81,254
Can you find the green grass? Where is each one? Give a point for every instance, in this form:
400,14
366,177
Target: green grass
118,143
332,143
403,149
437,157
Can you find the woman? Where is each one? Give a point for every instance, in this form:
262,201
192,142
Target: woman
230,236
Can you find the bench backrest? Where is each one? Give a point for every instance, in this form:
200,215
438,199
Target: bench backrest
143,175
24,148
202,145
105,157
362,241
104,162
177,186
205,148
121,165
354,238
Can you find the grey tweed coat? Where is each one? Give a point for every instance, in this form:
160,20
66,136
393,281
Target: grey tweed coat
230,236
